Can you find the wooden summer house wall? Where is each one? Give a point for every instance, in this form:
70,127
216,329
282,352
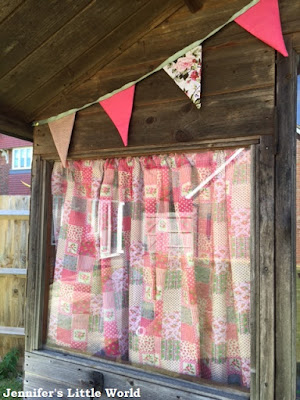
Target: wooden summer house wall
240,82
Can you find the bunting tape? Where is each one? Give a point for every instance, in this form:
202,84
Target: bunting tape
163,64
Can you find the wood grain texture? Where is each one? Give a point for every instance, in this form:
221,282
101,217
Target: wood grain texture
14,232
40,189
74,372
8,7
12,295
89,43
289,14
248,113
13,126
241,95
255,275
295,41
30,26
229,49
285,225
265,313
13,264
66,45
150,50
194,5
55,74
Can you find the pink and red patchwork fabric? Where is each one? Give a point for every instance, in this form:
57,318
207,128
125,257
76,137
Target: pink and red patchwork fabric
176,296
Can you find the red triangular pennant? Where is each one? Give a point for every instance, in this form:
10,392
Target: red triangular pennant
263,21
119,108
61,131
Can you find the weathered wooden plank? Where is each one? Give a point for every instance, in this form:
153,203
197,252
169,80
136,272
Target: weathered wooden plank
8,7
13,271
30,26
295,40
11,331
14,202
194,5
14,127
242,114
100,34
12,300
289,13
71,371
163,149
285,227
41,171
265,269
14,232
239,72
213,15
255,275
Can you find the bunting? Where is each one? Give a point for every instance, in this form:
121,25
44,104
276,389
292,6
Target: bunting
165,63
61,130
263,21
186,73
119,110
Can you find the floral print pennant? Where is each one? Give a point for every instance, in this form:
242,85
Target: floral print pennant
186,73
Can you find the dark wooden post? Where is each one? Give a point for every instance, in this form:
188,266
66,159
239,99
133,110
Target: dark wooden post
41,172
285,223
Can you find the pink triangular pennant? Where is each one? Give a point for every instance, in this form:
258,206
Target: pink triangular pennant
263,21
119,109
61,131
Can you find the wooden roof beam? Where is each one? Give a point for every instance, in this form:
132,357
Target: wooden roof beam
15,127
194,5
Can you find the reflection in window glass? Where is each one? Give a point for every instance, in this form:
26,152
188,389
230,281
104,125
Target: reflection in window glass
22,163
16,160
153,262
22,158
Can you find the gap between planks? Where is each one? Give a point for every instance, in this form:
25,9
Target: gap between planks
11,331
13,271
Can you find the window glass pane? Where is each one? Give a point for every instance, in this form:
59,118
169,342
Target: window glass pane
22,158
153,262
16,158
28,157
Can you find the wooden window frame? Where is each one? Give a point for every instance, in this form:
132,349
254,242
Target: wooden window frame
273,292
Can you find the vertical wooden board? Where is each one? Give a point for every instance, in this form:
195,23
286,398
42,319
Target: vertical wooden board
266,316
285,222
14,233
12,300
41,178
255,278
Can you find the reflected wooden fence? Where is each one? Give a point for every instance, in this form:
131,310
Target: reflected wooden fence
14,227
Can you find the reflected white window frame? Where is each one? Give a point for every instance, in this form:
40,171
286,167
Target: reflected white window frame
16,158
119,249
57,222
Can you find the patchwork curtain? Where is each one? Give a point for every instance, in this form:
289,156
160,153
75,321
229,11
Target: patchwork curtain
177,295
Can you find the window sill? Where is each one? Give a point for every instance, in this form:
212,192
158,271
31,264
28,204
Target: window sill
74,371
